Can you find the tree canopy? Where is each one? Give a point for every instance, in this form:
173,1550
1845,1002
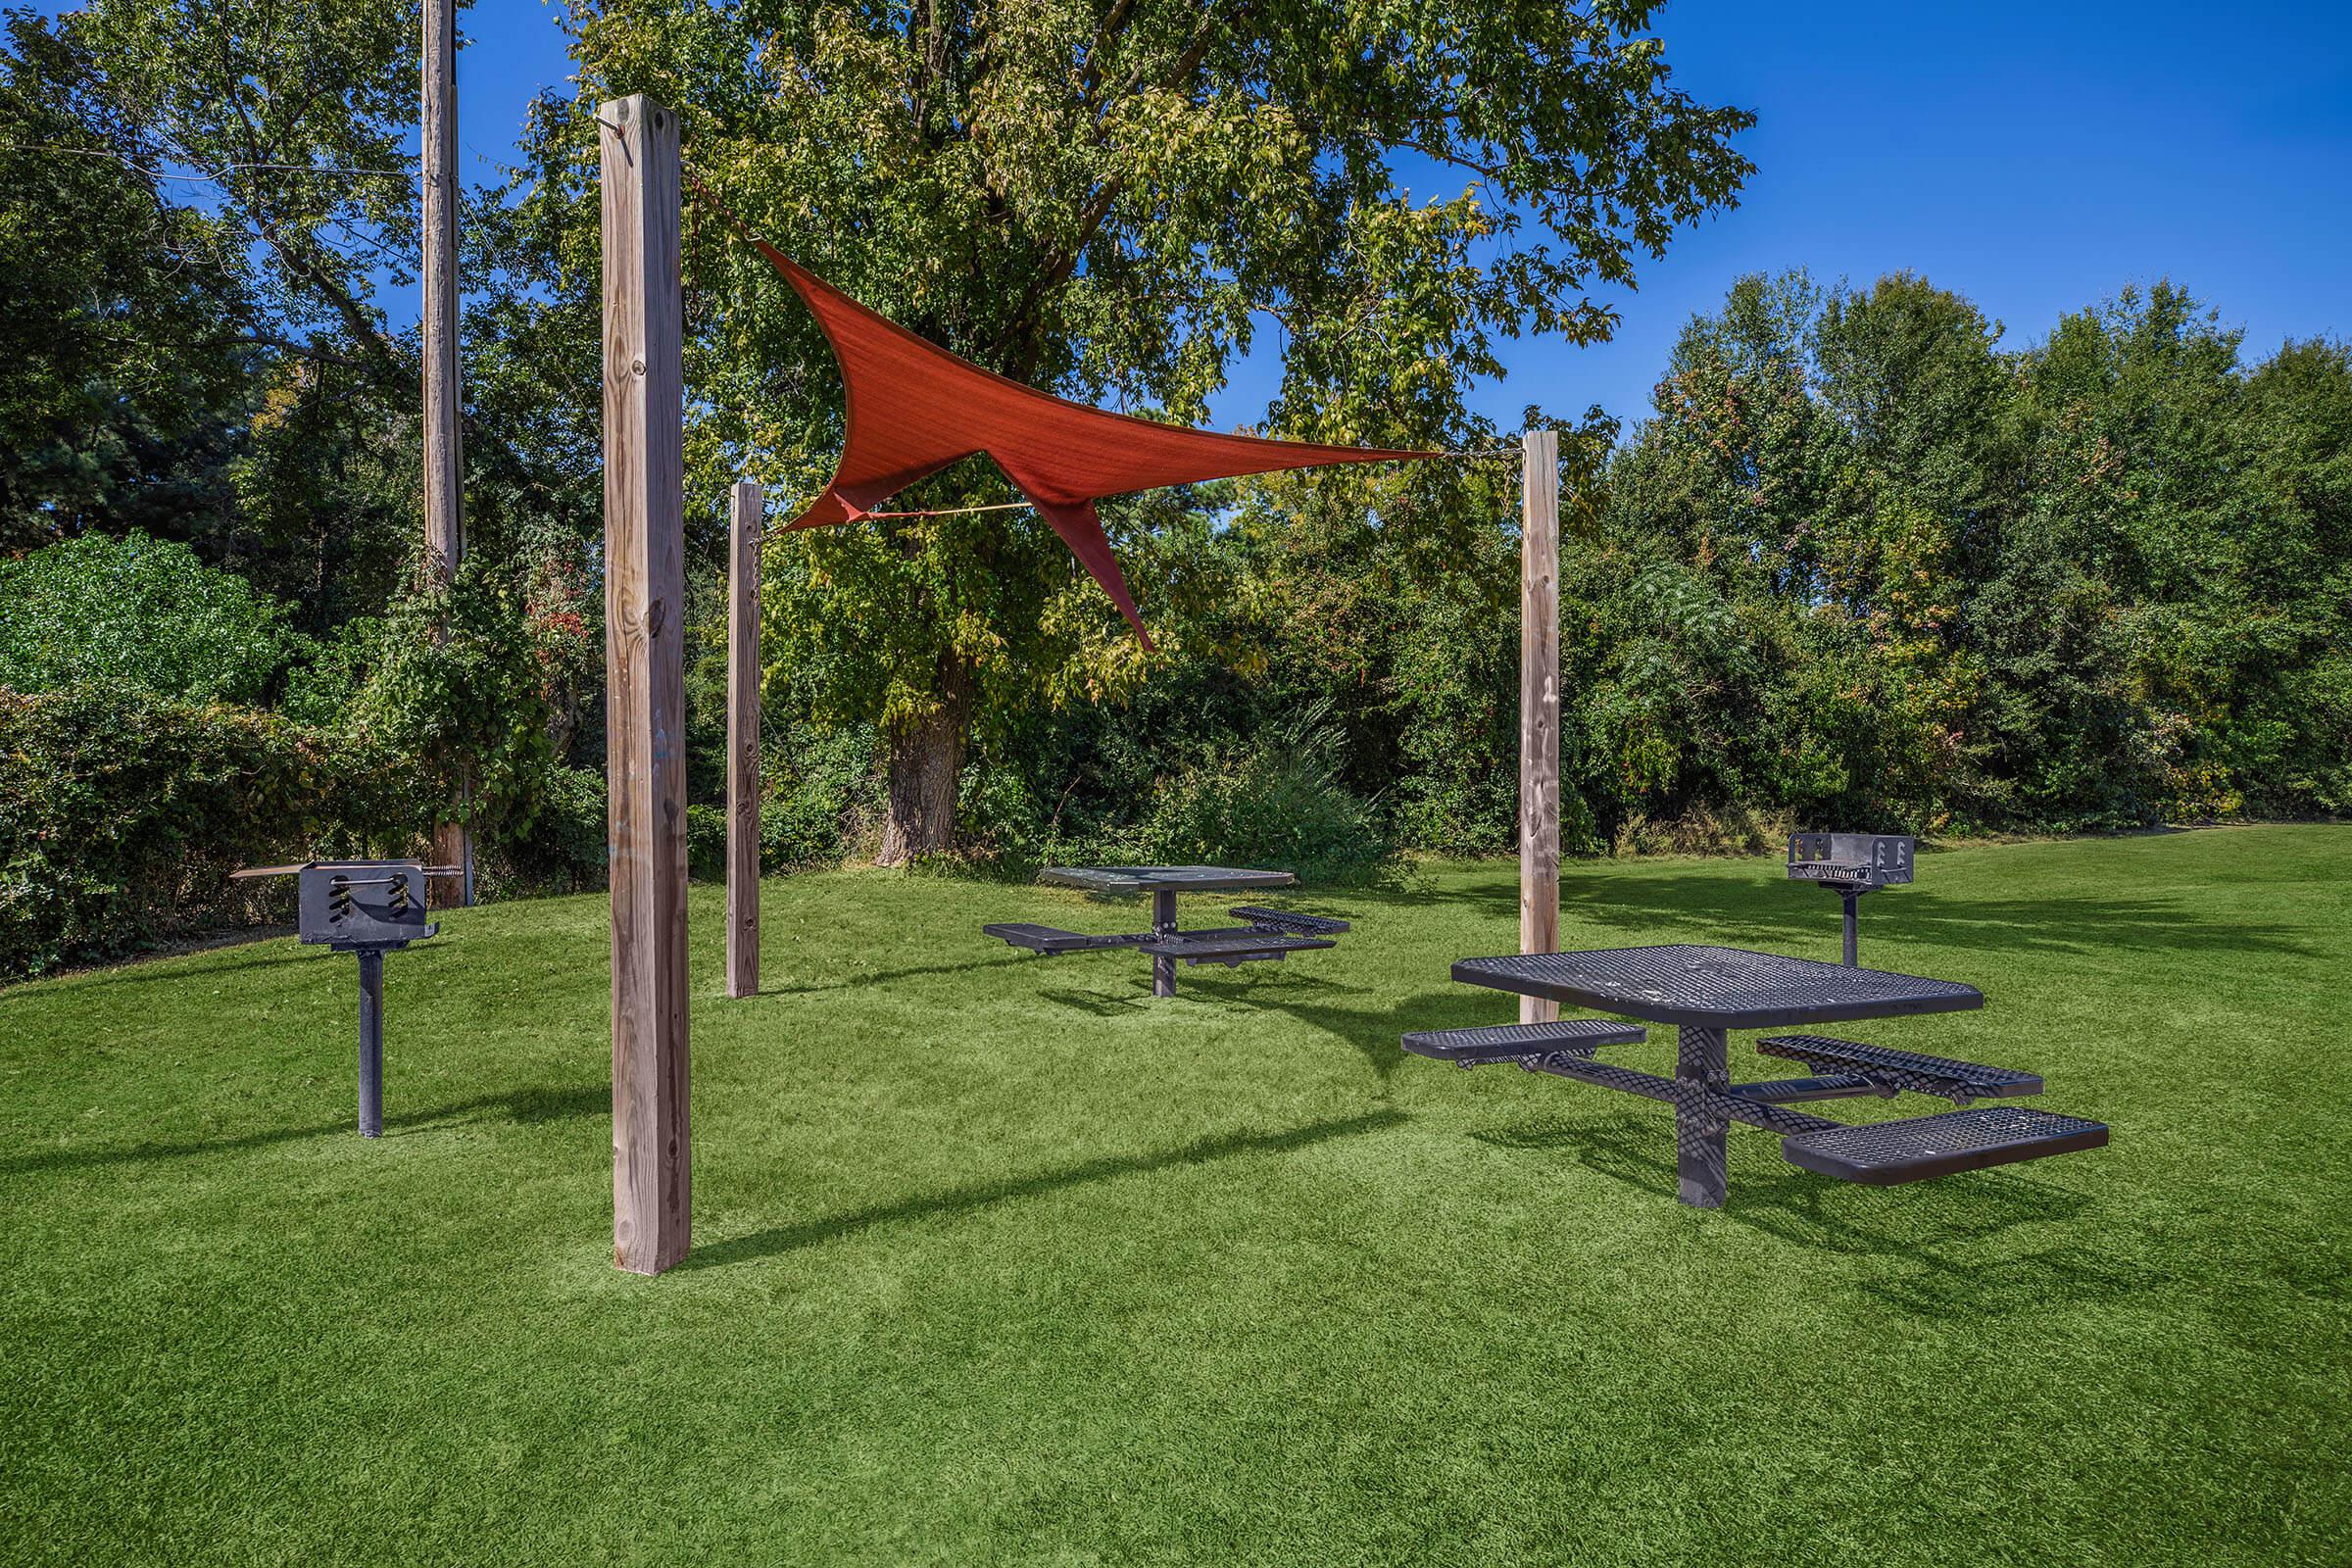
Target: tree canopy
1866,560
1110,201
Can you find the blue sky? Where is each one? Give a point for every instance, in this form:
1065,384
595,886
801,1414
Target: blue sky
2035,158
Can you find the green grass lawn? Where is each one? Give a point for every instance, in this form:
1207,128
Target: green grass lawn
1000,1260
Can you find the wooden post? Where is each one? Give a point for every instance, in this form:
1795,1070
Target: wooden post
1539,708
444,457
645,523
743,741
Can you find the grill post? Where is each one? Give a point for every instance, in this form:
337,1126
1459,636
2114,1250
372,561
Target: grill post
371,1043
1701,1067
1163,925
1851,895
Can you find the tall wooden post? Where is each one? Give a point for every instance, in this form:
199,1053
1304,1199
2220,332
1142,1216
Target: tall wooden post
743,741
1539,706
444,457
645,523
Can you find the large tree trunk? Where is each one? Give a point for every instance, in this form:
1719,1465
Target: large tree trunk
926,757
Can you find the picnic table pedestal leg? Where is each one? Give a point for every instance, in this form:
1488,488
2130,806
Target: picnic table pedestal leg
1700,1134
1163,924
371,1045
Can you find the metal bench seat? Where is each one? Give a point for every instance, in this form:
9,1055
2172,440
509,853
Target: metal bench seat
1049,940
1511,1042
1226,950
1290,920
1957,1081
1887,1154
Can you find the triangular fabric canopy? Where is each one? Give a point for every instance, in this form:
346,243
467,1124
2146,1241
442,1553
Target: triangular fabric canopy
914,409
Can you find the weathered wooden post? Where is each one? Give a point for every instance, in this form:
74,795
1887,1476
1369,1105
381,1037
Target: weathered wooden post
444,455
743,741
1539,706
645,520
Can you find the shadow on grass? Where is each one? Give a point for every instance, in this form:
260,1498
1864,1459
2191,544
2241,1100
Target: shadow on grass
1702,904
963,1200
1744,914
522,1106
883,977
149,968
1374,1033
1929,1226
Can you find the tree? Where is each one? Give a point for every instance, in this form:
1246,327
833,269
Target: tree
202,201
1109,200
289,125
123,342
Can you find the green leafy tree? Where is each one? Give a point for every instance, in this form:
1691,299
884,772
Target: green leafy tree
1111,200
201,204
123,346
292,123
449,687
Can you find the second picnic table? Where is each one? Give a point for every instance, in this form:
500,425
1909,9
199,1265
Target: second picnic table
1707,991
1270,933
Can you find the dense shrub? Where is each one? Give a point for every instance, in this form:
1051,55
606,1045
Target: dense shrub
562,848
1279,804
451,681
141,611
122,813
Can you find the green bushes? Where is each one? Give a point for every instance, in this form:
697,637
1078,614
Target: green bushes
1278,804
817,792
449,681
1278,800
140,612
121,813
562,848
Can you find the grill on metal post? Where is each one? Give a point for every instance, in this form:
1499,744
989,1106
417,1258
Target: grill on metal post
368,908
1850,864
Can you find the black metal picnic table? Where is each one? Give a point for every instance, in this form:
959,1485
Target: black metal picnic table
1270,933
1705,993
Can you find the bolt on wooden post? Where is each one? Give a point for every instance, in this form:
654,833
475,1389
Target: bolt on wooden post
645,523
743,741
1539,706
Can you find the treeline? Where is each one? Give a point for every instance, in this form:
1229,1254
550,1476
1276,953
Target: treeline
1863,563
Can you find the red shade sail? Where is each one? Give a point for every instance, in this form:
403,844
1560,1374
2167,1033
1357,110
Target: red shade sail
914,409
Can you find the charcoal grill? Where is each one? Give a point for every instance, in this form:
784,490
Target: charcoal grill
1850,864
368,908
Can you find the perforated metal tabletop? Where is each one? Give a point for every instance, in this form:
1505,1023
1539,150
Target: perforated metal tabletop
1163,878
1717,987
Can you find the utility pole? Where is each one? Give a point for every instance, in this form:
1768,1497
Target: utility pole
444,458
